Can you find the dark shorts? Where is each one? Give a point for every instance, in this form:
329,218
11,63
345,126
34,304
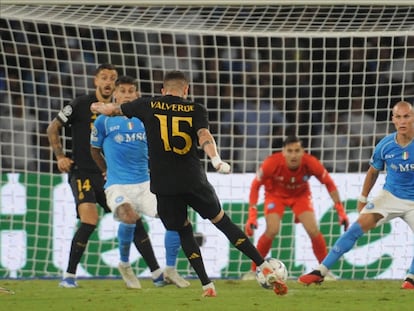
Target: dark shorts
88,188
172,209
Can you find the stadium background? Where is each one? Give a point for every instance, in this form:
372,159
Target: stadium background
328,73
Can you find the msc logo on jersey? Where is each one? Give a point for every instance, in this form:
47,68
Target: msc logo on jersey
409,167
130,137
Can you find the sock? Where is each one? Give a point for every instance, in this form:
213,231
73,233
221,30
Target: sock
193,254
411,270
172,246
237,237
319,247
79,242
263,246
125,237
345,242
144,246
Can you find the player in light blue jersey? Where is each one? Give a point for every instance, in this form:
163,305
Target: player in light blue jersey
124,160
395,154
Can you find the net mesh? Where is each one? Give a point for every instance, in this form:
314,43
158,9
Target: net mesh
328,73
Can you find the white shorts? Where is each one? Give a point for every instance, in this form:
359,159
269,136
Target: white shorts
391,207
139,196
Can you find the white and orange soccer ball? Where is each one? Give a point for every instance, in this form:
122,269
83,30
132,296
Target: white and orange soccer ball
278,267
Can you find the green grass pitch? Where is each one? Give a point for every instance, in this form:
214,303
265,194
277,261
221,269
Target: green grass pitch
110,294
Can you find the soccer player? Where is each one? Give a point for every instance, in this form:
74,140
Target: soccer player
394,154
285,176
174,127
125,165
85,177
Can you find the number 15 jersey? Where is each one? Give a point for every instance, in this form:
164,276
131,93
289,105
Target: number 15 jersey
171,124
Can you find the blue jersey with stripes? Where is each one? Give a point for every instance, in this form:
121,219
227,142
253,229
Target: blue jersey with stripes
398,161
124,143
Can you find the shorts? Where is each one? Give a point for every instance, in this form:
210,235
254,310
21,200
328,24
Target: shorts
277,205
139,196
173,209
88,188
390,207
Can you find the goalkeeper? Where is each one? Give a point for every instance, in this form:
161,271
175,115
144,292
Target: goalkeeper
124,143
285,176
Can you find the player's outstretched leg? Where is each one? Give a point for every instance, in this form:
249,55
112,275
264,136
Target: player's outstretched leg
240,240
342,245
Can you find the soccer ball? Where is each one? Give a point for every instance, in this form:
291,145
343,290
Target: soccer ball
278,267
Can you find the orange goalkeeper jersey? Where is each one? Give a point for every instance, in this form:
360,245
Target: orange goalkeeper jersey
279,180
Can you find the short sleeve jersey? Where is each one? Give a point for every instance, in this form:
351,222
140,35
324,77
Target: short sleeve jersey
279,180
78,116
124,143
171,124
398,162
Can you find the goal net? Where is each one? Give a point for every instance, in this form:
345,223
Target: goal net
328,73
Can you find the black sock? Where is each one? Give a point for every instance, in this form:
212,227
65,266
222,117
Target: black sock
237,237
79,242
193,254
144,246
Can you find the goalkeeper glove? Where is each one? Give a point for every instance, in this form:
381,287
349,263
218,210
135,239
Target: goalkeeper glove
342,217
251,223
220,166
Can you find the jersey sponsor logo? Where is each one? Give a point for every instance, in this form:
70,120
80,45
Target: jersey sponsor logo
172,107
130,137
389,156
370,205
409,167
114,128
119,199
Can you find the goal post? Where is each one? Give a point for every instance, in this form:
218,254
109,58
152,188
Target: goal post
328,71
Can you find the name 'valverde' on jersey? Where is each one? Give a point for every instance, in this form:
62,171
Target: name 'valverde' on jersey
117,135
399,164
171,123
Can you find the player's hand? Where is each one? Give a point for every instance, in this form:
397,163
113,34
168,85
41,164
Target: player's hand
251,223
64,164
220,166
342,216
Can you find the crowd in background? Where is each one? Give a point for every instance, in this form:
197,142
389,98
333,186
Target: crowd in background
335,93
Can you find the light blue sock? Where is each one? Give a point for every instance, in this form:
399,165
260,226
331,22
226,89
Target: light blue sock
411,271
125,238
172,246
345,242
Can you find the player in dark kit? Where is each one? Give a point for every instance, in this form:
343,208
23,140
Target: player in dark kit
175,126
85,177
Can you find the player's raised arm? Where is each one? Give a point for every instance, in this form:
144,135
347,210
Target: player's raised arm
208,144
106,109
